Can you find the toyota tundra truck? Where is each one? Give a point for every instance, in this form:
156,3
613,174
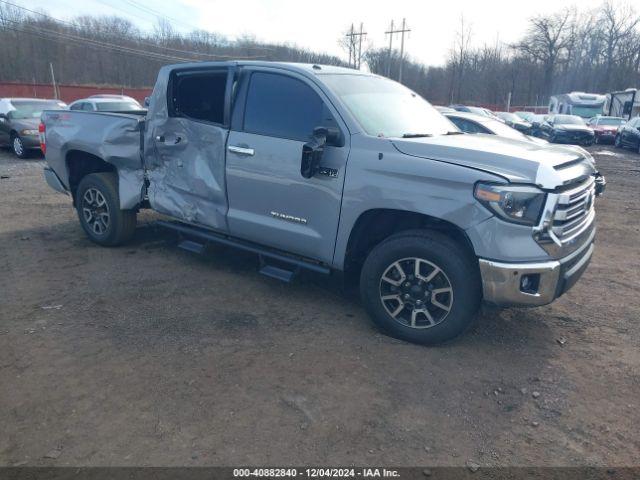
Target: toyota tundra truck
340,172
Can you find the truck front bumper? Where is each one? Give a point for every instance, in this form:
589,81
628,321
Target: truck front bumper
532,284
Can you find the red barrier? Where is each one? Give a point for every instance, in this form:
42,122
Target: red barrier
68,93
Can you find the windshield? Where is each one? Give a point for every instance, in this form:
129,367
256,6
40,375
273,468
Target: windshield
568,120
586,112
117,106
610,121
387,109
26,109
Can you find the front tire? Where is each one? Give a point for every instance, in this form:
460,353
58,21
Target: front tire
98,206
420,286
18,147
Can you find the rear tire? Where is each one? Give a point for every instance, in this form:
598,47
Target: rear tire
98,206
435,301
17,146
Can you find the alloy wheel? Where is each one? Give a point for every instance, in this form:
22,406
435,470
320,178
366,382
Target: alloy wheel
18,148
95,211
416,292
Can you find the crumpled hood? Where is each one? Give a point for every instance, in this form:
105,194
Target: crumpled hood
25,124
573,128
547,166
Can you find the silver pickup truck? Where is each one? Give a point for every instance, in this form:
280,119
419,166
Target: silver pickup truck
336,171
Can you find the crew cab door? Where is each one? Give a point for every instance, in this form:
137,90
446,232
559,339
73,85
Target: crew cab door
185,146
270,202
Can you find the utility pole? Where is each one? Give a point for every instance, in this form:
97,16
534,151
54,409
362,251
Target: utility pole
355,53
403,30
53,81
391,32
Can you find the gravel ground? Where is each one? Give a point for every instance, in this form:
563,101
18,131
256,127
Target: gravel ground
149,355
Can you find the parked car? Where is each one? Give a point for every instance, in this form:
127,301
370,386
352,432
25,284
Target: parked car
605,128
536,121
472,123
485,112
515,121
19,120
567,129
363,177
442,109
106,103
629,135
527,116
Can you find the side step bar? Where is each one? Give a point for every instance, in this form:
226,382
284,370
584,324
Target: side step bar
289,265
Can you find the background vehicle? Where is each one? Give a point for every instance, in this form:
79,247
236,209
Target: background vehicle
605,128
19,120
362,177
585,105
566,129
106,103
536,121
442,109
625,104
515,121
472,123
485,112
527,116
629,135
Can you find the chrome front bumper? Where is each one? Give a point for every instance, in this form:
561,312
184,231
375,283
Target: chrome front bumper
532,284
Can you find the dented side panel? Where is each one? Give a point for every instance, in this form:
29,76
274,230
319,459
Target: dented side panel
115,138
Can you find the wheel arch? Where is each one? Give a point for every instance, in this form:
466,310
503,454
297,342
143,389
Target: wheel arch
80,164
375,225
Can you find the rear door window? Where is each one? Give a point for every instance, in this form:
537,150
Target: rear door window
284,107
199,95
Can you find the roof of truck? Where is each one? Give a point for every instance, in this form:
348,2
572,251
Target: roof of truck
315,68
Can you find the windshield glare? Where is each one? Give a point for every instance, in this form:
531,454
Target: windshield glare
116,106
387,109
25,110
568,120
499,128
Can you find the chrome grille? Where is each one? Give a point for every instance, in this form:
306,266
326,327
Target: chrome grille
574,211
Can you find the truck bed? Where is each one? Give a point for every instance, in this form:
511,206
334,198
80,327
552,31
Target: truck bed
114,137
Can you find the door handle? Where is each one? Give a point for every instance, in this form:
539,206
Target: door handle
241,150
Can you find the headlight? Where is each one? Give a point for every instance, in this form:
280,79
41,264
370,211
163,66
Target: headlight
514,203
29,132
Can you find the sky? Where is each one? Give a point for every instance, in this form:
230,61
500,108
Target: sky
318,25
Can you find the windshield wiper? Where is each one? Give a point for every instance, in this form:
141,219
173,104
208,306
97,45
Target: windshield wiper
416,135
454,133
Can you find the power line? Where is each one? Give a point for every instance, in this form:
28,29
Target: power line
352,46
391,32
141,41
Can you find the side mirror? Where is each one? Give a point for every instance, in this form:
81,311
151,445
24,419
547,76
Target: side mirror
3,117
312,152
146,102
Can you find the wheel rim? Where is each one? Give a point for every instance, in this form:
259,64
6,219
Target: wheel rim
95,211
17,146
416,293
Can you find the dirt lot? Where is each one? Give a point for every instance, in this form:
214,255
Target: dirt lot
147,354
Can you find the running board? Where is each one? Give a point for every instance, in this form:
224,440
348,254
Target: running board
288,265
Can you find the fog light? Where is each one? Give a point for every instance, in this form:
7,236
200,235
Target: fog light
530,283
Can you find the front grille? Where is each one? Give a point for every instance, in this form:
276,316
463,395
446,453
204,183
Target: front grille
574,210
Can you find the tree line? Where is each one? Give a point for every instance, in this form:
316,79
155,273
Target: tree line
111,50
595,51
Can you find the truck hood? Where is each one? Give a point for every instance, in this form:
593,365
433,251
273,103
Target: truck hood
548,166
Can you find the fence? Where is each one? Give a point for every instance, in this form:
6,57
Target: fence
68,93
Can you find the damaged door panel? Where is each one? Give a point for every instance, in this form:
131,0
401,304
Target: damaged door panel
185,149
